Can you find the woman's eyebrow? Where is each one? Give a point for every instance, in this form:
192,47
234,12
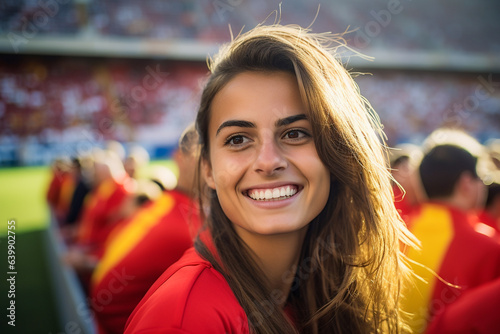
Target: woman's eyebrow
238,123
247,124
290,120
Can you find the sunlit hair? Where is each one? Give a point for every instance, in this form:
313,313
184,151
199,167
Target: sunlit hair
351,265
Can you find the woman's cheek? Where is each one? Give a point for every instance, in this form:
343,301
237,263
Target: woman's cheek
222,179
227,172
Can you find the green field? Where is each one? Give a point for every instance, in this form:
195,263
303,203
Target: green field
22,198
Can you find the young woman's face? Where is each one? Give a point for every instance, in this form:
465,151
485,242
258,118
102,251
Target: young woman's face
263,163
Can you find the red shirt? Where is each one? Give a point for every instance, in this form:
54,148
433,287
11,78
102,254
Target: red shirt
486,224
475,312
190,297
60,192
138,253
456,252
485,218
54,188
99,215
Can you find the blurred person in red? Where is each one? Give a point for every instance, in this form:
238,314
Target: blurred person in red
140,250
112,186
404,159
85,261
101,213
145,191
453,257
81,167
61,188
472,313
137,158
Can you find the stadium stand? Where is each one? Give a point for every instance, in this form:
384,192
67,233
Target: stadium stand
54,106
424,24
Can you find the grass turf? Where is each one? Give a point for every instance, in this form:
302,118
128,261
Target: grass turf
22,198
34,303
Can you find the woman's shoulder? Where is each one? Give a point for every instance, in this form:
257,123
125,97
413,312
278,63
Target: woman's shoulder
190,297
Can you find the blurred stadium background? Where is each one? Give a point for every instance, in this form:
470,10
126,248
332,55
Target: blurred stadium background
74,73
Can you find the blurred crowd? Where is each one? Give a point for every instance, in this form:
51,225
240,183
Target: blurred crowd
447,190
427,25
52,106
49,106
123,228
123,222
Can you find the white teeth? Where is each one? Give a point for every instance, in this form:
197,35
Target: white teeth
272,194
269,194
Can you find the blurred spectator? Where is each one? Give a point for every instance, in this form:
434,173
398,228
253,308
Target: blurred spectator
111,187
472,313
164,177
462,258
145,191
116,147
452,136
61,188
137,158
54,104
404,159
144,247
83,186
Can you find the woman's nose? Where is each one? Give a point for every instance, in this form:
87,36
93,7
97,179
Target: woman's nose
269,157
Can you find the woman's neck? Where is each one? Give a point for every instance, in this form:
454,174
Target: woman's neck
278,257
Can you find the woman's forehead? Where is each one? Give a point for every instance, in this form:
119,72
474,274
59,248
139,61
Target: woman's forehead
257,96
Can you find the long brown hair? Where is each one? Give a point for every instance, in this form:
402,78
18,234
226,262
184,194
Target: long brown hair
350,270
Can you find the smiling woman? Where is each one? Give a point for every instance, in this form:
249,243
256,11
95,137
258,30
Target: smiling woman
302,235
261,145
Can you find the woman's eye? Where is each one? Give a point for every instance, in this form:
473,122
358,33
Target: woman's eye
236,140
295,134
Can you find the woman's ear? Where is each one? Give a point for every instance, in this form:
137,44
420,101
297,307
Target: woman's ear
177,156
206,171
